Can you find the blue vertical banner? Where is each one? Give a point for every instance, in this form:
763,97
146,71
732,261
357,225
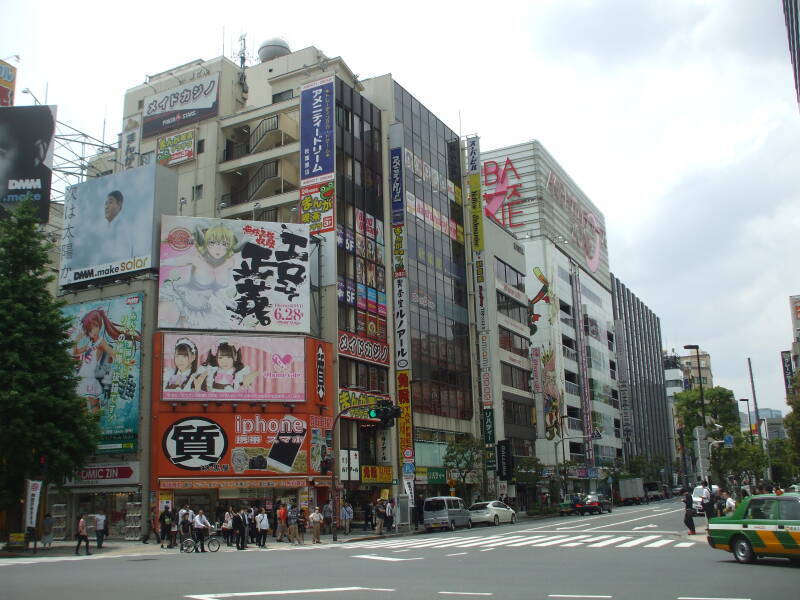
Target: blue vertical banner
317,121
396,181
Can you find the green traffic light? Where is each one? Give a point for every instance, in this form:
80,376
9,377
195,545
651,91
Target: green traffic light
373,413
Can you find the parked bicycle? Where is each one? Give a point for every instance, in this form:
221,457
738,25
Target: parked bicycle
191,545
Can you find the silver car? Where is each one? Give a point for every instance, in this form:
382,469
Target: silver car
492,512
445,512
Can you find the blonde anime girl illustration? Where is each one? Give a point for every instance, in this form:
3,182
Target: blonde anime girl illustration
192,298
93,348
224,370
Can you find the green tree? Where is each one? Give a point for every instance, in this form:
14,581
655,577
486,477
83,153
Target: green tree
792,422
528,470
46,431
463,455
780,457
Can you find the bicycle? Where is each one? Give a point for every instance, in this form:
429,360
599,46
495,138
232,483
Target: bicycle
192,545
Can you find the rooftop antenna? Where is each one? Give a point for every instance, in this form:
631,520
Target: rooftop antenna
242,50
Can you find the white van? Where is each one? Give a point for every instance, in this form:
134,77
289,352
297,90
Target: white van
446,512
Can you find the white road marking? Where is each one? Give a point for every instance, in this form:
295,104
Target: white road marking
570,527
537,538
508,540
632,520
466,593
557,542
279,592
597,538
494,538
637,541
457,554
684,545
644,527
609,542
659,543
697,598
487,549
398,551
384,558
576,596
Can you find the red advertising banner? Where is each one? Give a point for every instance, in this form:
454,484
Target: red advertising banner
404,424
361,348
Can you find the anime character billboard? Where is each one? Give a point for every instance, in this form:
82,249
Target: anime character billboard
233,368
106,340
234,275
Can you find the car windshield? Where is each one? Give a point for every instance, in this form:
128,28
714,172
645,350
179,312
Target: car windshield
590,498
479,506
698,491
434,505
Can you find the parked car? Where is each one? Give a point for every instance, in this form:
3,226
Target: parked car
594,503
764,525
569,506
445,512
492,512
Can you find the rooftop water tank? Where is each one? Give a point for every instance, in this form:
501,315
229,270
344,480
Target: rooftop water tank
273,48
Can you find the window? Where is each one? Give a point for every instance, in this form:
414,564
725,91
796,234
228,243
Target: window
513,342
518,413
509,275
140,104
761,508
511,308
790,509
281,96
197,192
201,146
515,377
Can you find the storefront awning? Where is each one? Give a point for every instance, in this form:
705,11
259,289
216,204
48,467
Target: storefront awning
245,483
105,489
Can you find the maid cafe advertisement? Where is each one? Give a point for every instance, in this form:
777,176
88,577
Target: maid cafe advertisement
105,339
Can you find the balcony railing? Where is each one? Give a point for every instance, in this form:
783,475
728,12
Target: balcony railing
264,173
569,353
572,388
568,321
234,150
574,424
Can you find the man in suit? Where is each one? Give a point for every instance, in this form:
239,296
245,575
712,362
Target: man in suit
240,529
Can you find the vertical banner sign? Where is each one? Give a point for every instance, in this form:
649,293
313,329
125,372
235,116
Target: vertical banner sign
536,368
318,169
129,142
505,464
8,81
583,367
488,438
402,338
622,379
788,371
33,491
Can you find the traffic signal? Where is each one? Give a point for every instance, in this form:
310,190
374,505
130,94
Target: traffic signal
386,412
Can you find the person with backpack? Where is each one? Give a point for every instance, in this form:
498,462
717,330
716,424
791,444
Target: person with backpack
688,513
380,516
291,520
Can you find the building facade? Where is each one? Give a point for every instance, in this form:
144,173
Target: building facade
572,343
652,431
697,373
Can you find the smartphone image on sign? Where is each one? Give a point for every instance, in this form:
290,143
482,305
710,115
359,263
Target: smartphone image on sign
286,445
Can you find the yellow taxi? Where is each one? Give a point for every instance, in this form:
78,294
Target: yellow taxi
764,525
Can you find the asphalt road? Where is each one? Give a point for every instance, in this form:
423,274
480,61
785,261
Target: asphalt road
633,553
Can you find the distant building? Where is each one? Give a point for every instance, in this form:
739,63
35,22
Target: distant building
689,366
791,11
775,429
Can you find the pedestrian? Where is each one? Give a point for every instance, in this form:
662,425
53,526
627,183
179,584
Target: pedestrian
380,516
201,526
327,516
368,521
173,529
238,523
688,512
185,527
389,522
81,535
346,515
302,522
282,526
706,500
291,520
252,526
730,504
315,518
227,526
100,528
164,521
47,531
262,523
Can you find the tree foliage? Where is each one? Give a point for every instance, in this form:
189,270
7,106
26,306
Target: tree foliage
792,422
46,431
463,455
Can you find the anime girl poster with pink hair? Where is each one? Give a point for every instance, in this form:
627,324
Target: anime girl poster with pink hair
106,343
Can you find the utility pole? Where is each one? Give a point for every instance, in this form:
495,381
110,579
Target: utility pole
758,419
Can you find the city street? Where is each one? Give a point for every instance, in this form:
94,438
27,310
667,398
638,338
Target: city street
633,553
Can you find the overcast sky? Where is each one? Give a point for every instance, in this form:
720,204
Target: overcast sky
677,118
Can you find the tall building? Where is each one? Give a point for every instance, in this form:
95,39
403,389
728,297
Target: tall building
646,406
568,286
695,374
791,12
221,167
674,383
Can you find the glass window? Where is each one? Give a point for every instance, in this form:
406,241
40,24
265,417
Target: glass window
790,509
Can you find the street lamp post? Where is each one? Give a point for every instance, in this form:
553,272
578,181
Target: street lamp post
749,418
696,349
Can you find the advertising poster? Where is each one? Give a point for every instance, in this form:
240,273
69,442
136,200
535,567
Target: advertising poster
175,149
316,206
180,106
317,169
107,345
27,138
234,275
108,226
8,82
33,492
231,444
233,368
352,400
129,142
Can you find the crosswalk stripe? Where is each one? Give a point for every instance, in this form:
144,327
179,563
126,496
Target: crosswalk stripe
493,538
658,544
558,542
605,543
508,540
537,538
638,541
684,545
